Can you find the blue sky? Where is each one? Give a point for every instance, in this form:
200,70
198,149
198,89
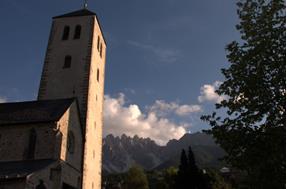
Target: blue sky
161,54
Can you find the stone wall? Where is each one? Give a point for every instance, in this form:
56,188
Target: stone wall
94,120
13,184
54,176
70,123
14,141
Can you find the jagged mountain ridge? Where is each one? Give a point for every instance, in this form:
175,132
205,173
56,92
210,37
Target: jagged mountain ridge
119,153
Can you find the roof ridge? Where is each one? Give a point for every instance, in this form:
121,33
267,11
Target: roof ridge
81,12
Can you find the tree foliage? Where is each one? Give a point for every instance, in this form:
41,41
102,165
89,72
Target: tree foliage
215,181
253,130
135,178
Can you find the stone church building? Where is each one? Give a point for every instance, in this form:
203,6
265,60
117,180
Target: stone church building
55,142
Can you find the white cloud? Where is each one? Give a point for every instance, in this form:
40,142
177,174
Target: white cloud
161,108
163,54
3,99
207,93
184,110
120,118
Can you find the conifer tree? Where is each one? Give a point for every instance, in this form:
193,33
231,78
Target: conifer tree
182,174
189,176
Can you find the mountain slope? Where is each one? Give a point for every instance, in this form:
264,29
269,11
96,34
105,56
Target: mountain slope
119,153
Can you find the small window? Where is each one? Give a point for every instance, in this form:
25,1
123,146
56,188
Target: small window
98,75
101,49
68,61
98,45
77,32
71,142
66,33
32,144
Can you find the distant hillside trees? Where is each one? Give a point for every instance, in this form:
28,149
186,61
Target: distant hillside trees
187,176
135,179
253,130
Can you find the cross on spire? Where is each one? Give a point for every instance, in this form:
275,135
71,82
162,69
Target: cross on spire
85,4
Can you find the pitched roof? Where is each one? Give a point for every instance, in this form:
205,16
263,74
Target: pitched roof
82,12
33,111
20,169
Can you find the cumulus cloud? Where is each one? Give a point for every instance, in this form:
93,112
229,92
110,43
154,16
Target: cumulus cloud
207,93
161,108
163,54
120,118
184,110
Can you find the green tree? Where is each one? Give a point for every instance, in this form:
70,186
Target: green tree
182,174
252,131
170,176
215,181
189,176
135,179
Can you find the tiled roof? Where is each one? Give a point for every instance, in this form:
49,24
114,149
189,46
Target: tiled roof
20,169
82,12
33,111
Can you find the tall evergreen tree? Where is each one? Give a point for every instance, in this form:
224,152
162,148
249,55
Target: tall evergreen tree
192,168
253,131
189,176
197,179
182,174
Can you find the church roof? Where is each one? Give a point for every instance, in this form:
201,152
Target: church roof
20,169
82,12
33,111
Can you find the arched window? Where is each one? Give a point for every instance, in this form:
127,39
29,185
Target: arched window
68,61
98,74
77,32
66,33
32,144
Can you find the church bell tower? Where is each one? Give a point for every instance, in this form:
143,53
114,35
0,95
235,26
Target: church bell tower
74,66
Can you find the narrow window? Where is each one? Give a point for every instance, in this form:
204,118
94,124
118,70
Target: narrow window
68,62
98,45
71,142
101,49
66,33
32,144
98,75
77,32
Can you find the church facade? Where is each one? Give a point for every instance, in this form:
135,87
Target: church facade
56,141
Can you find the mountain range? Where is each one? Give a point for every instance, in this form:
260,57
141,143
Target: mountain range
120,153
